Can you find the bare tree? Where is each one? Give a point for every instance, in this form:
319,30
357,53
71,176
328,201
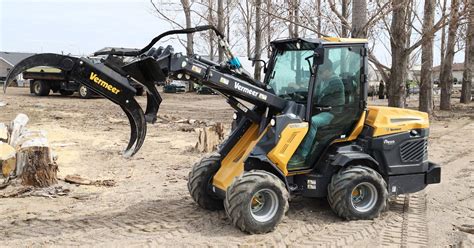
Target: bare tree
246,11
443,35
211,21
446,76
398,44
220,25
258,39
318,12
468,57
187,15
426,83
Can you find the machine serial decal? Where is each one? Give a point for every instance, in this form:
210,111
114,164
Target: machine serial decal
196,69
103,84
224,81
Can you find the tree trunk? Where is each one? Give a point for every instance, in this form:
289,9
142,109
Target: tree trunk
446,77
211,32
258,39
426,82
399,68
227,20
248,27
269,28
187,15
190,40
443,39
345,14
220,25
39,169
468,57
318,13
359,19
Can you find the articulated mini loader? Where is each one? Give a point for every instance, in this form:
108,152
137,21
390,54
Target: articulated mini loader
306,130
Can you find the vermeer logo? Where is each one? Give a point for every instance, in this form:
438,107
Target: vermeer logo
246,90
103,84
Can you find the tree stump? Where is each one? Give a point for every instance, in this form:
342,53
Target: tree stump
209,138
38,167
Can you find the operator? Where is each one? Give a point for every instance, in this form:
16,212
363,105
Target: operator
329,92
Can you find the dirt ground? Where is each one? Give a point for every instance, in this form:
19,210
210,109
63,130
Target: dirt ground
150,204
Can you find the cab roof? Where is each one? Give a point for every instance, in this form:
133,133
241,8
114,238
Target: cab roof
309,43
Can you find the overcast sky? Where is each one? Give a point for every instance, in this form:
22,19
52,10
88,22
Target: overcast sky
76,26
83,26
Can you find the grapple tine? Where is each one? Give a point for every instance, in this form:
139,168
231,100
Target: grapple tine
147,71
137,131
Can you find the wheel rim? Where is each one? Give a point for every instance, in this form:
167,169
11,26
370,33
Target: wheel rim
364,197
83,91
37,87
264,205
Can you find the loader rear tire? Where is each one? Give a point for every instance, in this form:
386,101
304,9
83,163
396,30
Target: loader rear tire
357,193
256,201
200,180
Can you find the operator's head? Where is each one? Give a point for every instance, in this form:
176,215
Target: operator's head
325,70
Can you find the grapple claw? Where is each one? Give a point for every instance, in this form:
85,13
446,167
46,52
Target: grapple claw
104,81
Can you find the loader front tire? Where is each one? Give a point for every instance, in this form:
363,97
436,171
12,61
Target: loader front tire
357,193
256,201
200,180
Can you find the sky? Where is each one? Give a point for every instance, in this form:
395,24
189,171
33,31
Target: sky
76,26
80,27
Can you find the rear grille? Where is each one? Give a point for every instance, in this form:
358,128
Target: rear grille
414,151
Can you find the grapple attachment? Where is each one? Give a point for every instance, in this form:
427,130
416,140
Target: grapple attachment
111,82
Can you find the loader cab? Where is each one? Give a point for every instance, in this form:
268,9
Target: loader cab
329,78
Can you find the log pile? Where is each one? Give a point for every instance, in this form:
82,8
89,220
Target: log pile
26,155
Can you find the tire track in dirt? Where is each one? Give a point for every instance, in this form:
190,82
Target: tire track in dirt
177,221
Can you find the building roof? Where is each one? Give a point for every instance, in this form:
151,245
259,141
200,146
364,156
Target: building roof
14,58
456,67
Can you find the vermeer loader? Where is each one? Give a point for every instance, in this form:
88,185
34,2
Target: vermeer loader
305,130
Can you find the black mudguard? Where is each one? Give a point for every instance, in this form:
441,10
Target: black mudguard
108,83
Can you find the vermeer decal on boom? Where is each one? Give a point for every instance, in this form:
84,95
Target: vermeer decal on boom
246,90
103,84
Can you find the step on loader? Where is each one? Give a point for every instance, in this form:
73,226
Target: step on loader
305,130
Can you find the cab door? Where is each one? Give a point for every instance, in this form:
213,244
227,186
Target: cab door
336,100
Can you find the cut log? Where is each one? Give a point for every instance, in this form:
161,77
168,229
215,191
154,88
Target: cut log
209,138
7,159
3,133
17,127
38,167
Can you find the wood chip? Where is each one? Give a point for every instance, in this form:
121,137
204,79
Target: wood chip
76,179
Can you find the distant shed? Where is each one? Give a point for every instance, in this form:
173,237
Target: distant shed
10,59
